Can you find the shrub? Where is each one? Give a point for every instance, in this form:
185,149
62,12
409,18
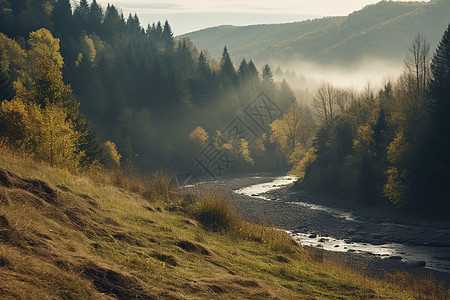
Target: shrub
215,213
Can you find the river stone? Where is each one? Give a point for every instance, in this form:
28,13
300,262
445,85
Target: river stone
312,236
416,264
395,257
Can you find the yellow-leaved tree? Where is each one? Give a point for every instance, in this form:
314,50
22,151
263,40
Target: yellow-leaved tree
397,184
245,152
199,135
58,141
111,156
46,133
293,133
43,119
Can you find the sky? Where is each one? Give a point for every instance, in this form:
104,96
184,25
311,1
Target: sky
191,15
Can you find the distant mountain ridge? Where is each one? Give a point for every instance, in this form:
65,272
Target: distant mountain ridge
382,31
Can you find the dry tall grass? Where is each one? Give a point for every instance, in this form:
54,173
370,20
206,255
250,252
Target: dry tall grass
89,239
216,214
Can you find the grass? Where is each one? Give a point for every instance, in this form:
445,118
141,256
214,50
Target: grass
101,235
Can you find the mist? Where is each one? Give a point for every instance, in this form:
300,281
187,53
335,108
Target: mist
308,76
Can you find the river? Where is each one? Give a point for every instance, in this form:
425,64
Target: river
419,244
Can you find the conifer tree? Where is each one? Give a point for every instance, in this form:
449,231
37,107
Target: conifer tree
168,39
80,15
62,16
94,18
227,71
202,65
439,161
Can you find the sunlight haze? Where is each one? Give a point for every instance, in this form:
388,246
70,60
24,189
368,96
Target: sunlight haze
191,15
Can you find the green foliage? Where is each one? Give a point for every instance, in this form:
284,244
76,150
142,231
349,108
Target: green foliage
390,147
136,86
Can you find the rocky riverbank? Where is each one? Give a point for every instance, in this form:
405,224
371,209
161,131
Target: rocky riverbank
310,216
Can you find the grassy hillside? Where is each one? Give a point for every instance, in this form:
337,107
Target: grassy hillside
380,31
65,236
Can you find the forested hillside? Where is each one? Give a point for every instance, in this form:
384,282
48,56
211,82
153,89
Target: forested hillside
378,31
391,146
83,87
138,87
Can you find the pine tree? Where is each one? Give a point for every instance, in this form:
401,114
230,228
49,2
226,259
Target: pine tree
440,83
80,15
202,65
227,71
133,23
287,97
252,71
267,81
267,75
94,18
168,39
439,160
62,17
243,69
113,22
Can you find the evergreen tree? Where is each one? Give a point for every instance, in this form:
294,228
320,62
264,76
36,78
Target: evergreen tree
94,18
113,22
133,24
267,75
158,31
62,17
252,71
227,71
168,39
243,70
439,162
286,96
80,15
202,65
267,81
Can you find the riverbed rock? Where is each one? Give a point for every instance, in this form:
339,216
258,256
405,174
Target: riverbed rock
312,236
416,264
395,257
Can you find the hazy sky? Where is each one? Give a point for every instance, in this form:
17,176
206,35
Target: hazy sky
190,15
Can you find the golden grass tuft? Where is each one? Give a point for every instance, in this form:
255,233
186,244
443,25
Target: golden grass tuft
215,213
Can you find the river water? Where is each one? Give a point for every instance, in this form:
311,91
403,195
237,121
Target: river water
432,256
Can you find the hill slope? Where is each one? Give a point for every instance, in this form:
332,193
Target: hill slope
73,237
381,31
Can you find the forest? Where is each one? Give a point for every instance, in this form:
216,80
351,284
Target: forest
138,88
86,87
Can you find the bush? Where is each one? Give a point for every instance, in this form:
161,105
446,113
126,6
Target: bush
215,213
